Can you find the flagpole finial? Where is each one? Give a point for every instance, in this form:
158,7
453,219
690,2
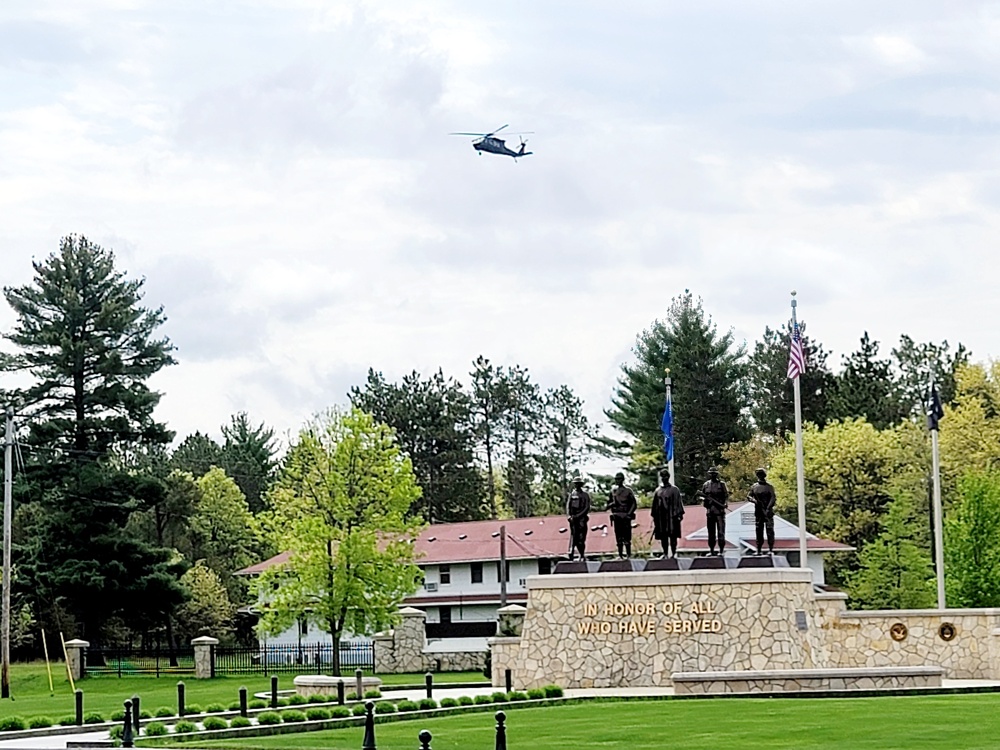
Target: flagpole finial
666,370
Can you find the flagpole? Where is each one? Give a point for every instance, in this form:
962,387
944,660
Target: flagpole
799,460
938,512
669,405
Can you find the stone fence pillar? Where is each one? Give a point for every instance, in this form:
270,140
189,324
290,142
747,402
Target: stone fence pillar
504,651
385,653
76,656
204,656
511,620
410,639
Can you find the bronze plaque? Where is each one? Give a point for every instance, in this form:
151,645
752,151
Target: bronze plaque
898,631
947,631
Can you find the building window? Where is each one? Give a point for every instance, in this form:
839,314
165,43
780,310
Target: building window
544,566
508,571
476,569
444,574
444,614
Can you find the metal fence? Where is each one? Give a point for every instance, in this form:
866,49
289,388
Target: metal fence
283,658
265,659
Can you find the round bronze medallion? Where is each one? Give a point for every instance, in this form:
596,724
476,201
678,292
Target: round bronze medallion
898,631
947,631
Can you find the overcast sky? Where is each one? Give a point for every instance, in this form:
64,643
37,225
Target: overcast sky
280,173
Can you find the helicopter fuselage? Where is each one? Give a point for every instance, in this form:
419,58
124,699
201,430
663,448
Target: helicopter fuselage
498,146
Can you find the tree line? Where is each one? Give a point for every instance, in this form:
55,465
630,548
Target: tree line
121,532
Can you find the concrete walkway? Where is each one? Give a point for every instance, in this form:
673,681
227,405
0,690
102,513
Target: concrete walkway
58,742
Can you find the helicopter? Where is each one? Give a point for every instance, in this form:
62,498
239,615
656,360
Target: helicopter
488,142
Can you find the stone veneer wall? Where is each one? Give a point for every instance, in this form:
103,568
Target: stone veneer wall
636,629
403,649
900,678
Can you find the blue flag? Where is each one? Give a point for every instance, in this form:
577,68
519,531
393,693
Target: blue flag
667,425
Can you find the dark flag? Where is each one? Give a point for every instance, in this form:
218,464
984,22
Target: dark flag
934,409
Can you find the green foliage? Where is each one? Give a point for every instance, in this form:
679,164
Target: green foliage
358,709
269,717
93,718
297,700
385,707
463,700
221,529
406,706
192,708
196,455
563,443
480,700
917,363
12,723
427,704
116,732
315,714
552,691
154,729
240,721
340,505
39,722
185,727
351,696
293,716
498,697
214,722
317,698
895,572
708,393
282,702
488,406
432,421
373,693
865,388
256,703
248,455
208,610
144,714
517,695
449,702
741,461
340,712
234,706
67,721
118,715
772,405
972,554
165,711
536,693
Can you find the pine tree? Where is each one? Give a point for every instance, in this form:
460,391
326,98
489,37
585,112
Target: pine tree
708,390
249,457
866,387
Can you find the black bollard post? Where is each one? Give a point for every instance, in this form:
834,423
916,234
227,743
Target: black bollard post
429,684
508,680
180,698
127,729
135,714
359,683
425,740
341,693
368,743
501,743
274,691
79,707
243,702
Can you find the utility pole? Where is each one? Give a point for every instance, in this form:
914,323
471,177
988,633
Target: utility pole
503,566
8,447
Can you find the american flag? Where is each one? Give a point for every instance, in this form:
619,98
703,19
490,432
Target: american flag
796,357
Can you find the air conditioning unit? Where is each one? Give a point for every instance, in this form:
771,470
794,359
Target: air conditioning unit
431,586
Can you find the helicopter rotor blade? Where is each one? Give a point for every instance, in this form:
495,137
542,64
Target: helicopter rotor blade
498,130
475,134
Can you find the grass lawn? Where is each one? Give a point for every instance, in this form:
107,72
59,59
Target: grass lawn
106,693
903,723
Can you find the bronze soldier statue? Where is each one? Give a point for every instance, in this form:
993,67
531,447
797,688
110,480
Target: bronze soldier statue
667,512
578,511
715,498
763,498
622,505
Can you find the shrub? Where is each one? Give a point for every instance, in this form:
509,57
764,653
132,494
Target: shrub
12,723
297,700
144,714
373,693
94,718
282,702
116,732
449,702
358,710
293,716
67,721
482,699
257,703
164,712
316,714
352,696
194,708
385,707
155,729
234,706
498,697
464,700
552,691
185,727
240,721
428,703
214,708
214,722
118,715
536,693
317,698
339,712
406,706
269,717
39,722
517,695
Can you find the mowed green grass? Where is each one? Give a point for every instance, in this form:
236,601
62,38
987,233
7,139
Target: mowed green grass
906,723
106,693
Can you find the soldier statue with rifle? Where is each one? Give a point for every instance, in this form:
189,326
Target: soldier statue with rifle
715,498
578,513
